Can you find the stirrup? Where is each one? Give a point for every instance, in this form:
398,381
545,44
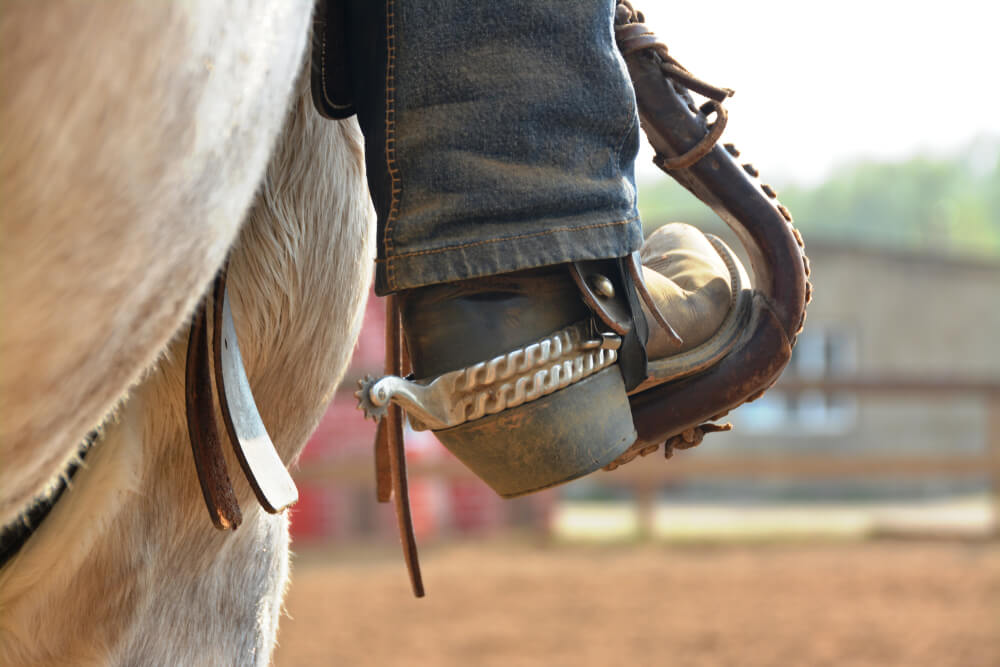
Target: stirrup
479,412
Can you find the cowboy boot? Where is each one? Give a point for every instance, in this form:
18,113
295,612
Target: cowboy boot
522,380
532,377
535,361
492,169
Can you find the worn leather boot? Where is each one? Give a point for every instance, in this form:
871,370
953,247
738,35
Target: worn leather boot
497,140
520,336
520,378
536,377
480,128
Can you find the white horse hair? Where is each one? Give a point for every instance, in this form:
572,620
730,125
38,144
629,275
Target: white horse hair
139,144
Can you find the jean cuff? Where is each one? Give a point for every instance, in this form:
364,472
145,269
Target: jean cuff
561,241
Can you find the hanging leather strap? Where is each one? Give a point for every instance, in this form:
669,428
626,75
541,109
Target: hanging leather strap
330,78
213,343
390,454
216,487
383,470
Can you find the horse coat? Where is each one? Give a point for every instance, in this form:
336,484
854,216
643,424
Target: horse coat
140,143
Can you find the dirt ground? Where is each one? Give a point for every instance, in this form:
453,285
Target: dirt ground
878,603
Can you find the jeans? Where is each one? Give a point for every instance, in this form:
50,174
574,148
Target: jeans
504,139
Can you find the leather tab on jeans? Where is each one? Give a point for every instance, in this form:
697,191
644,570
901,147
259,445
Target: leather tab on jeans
216,487
330,78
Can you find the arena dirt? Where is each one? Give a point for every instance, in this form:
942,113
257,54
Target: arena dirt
879,603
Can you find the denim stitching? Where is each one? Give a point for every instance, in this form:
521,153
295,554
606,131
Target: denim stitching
390,137
548,232
395,180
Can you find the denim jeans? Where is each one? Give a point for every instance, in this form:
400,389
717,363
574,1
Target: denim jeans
505,139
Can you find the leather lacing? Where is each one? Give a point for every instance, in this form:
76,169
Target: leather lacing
632,36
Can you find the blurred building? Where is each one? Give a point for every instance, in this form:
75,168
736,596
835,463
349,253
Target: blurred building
881,313
876,314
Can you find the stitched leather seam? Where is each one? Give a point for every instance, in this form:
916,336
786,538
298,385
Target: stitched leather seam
388,260
322,65
322,75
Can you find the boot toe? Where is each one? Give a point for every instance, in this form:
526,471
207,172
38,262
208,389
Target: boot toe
690,284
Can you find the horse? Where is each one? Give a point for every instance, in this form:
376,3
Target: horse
141,145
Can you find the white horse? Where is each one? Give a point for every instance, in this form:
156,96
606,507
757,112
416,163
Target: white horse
139,144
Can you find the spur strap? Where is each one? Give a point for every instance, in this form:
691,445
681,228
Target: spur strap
216,487
216,348
390,453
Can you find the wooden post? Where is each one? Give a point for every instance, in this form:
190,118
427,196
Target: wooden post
645,501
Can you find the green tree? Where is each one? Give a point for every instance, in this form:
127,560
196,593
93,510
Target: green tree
949,205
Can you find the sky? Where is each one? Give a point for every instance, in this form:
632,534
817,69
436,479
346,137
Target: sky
821,85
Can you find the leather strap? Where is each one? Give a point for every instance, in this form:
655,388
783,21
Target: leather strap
609,289
602,289
330,77
617,306
217,346
634,265
389,448
677,129
383,470
632,359
216,487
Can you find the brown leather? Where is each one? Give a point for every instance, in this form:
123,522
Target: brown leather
383,472
389,439
212,344
674,126
216,487
741,376
454,325
330,81
611,308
